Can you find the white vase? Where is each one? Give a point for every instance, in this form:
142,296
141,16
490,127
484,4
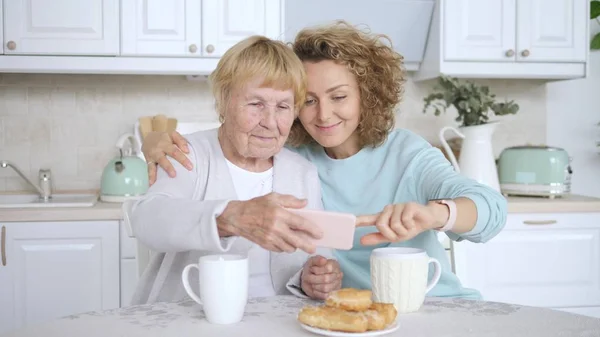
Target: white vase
476,159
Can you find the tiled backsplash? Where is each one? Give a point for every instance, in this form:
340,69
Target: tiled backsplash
70,123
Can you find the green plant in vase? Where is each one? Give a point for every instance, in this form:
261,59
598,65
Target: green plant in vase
595,15
473,102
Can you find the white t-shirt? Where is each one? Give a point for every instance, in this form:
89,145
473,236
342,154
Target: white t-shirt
250,185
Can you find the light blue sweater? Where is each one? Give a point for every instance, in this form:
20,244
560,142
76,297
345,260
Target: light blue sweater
406,168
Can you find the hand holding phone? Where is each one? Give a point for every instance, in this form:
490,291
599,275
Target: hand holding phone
338,228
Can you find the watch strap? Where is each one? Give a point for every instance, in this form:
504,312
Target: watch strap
452,214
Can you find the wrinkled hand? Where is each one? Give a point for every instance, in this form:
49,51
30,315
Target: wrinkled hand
264,221
320,276
402,222
158,145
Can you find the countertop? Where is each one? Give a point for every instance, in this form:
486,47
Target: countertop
112,211
100,211
276,316
571,203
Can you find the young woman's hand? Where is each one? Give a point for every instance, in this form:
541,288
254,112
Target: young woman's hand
158,145
402,222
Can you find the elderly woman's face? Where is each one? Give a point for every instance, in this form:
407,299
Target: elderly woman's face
258,120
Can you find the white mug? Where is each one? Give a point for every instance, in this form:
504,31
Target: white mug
399,276
223,281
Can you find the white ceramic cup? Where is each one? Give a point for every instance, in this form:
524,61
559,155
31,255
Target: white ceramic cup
399,276
223,284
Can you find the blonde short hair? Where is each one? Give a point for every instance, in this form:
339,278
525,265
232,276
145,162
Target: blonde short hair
378,69
258,56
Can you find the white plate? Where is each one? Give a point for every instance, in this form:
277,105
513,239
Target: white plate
391,328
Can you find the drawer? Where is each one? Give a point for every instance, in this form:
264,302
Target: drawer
127,244
555,267
544,221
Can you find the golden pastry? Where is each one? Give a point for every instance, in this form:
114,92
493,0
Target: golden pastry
333,319
376,321
387,310
350,299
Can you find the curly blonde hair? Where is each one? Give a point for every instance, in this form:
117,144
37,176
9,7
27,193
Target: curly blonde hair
379,71
258,56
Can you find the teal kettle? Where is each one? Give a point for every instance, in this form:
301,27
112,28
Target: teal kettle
125,176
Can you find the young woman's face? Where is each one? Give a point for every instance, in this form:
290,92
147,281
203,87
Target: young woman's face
332,109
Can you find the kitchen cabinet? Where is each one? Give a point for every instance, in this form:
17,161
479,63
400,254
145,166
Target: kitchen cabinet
61,27
130,37
480,31
545,39
1,29
547,260
55,269
226,22
161,28
552,31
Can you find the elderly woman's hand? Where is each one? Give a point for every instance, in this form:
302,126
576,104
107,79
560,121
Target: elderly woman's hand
263,220
156,147
402,222
320,276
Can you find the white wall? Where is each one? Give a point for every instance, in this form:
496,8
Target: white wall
573,114
69,123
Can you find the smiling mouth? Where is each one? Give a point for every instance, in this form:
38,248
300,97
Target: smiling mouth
263,138
328,127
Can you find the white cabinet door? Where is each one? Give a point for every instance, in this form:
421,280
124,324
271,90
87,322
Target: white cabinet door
61,27
1,29
552,30
7,300
547,260
477,30
56,269
160,27
226,22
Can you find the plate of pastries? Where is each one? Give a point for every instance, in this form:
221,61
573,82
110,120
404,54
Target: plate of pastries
349,312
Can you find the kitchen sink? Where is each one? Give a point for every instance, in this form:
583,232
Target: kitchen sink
57,200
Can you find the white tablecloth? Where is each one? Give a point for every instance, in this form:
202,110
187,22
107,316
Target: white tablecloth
276,316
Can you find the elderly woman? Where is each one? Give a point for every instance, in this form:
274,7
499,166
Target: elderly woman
404,189
234,198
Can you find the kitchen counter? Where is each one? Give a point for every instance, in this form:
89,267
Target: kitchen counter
112,211
572,203
100,211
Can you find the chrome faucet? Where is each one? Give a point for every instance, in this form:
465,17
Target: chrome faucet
44,188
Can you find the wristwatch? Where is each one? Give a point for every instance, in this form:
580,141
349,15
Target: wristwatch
452,214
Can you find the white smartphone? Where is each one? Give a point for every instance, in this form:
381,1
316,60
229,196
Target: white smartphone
338,228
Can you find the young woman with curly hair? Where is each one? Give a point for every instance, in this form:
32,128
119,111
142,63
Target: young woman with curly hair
402,188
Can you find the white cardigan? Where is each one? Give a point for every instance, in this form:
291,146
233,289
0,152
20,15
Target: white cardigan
177,218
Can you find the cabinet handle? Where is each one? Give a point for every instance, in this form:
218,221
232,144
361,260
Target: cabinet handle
193,48
3,245
510,53
539,222
210,48
11,45
525,53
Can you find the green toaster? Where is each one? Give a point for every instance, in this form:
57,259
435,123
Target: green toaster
534,171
